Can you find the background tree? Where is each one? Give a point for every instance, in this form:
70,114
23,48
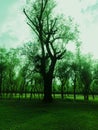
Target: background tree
52,33
12,66
74,76
3,66
86,75
63,71
29,73
75,67
94,83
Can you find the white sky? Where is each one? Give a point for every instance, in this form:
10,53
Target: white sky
14,30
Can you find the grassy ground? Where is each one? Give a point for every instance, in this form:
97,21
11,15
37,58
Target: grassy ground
59,115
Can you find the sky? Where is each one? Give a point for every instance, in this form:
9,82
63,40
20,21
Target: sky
14,31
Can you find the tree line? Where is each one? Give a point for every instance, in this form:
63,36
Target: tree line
19,73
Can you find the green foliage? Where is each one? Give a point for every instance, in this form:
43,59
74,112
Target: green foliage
52,32
86,71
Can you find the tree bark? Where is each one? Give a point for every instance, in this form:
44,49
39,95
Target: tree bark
48,77
86,97
75,87
62,90
48,89
86,93
1,84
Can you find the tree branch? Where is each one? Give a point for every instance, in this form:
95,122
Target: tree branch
54,39
33,29
48,50
54,51
59,56
29,18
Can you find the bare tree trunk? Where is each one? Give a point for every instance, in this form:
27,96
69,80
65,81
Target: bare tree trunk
0,89
86,93
48,77
1,84
62,91
75,88
74,85
74,93
48,89
86,97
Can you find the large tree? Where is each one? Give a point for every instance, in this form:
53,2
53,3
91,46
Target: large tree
3,64
86,75
52,33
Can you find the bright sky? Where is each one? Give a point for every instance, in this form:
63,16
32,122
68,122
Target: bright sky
14,30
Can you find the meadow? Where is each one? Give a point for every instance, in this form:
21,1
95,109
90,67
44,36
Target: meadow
58,115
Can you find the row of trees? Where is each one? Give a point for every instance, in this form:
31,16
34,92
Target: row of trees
19,73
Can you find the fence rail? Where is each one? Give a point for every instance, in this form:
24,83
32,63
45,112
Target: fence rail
40,94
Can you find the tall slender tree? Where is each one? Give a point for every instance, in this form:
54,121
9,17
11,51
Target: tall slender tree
3,63
86,75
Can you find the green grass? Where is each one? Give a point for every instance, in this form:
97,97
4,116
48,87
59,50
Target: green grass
59,115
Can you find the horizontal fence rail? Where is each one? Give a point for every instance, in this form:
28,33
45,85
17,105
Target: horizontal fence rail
40,94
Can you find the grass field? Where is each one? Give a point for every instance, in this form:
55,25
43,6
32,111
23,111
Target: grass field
59,115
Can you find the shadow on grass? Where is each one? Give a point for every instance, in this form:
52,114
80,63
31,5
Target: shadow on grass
58,115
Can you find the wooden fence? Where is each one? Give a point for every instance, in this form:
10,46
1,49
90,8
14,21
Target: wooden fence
39,95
